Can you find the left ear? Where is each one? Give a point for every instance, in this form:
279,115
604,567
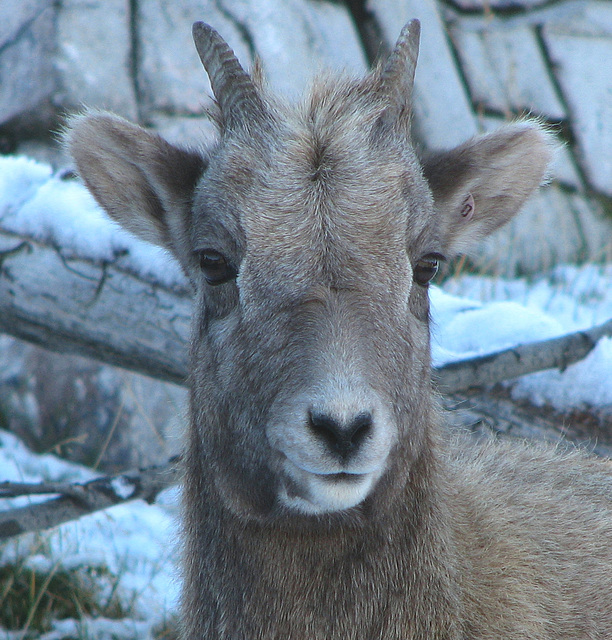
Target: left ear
142,182
481,184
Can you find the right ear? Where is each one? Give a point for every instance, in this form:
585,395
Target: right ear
143,182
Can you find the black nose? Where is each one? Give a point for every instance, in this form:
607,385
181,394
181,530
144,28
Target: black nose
341,438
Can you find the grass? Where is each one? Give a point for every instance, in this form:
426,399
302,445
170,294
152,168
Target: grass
31,600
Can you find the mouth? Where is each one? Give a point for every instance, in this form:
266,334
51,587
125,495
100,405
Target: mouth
343,476
317,493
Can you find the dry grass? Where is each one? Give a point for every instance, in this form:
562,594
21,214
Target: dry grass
30,600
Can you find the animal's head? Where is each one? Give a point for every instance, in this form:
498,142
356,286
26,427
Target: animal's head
310,234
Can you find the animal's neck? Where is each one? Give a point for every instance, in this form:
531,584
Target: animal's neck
347,579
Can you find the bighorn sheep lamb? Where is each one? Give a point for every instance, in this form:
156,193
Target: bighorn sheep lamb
323,499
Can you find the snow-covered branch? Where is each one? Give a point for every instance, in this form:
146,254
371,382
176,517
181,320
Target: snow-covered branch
92,308
557,353
76,500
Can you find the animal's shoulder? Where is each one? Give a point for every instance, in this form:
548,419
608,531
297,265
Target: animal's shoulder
534,483
533,524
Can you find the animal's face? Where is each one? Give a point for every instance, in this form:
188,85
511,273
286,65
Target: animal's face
310,234
312,251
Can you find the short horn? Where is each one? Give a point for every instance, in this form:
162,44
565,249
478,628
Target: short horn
232,86
398,74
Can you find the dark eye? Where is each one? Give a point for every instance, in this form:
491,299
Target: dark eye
215,267
426,268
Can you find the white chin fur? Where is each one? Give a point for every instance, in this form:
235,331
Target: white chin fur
314,494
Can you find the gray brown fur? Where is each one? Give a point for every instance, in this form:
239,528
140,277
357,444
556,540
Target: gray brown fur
323,499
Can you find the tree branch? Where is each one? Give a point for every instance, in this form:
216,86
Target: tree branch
98,310
495,414
77,500
490,369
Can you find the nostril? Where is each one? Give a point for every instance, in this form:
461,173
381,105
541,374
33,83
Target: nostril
360,428
325,428
342,439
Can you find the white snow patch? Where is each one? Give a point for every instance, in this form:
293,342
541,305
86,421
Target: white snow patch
477,330
101,628
475,315
40,205
580,386
20,178
123,487
134,543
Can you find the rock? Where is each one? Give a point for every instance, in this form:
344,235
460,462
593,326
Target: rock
564,169
94,56
46,152
554,227
87,412
293,39
27,80
505,69
191,132
16,17
586,18
170,75
297,38
581,53
442,110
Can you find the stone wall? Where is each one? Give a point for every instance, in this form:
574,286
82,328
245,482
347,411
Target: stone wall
481,62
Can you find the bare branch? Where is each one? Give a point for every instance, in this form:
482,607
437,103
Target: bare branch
490,369
77,500
17,489
494,414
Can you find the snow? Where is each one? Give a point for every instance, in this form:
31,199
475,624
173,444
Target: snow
102,628
131,542
36,203
472,315
475,315
580,385
484,329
